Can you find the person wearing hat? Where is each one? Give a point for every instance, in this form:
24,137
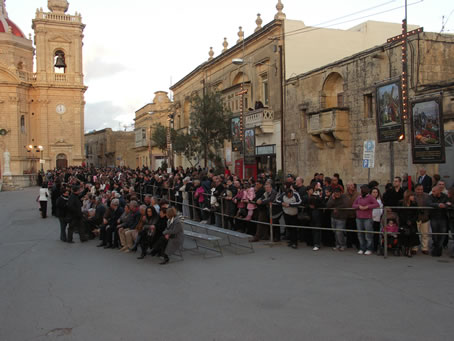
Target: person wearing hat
338,202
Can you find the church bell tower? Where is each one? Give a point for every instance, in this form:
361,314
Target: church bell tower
57,101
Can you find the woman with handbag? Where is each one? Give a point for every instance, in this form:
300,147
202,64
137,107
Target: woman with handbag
43,198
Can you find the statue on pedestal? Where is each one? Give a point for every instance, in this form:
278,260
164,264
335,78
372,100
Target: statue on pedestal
6,160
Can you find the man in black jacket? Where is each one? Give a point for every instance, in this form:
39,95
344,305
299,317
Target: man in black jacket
438,219
425,180
93,222
109,227
62,213
262,230
75,214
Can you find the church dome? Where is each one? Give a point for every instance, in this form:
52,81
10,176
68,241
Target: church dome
6,24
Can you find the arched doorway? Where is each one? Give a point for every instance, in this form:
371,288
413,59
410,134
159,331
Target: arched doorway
62,161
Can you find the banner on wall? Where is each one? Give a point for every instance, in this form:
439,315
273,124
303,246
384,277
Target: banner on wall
389,113
249,155
427,134
236,134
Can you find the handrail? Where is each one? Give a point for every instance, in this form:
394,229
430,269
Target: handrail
383,233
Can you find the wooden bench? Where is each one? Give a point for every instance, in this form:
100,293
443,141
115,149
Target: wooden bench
231,236
198,237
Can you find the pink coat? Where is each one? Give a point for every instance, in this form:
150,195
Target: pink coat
249,194
239,197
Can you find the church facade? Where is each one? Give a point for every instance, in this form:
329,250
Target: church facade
41,93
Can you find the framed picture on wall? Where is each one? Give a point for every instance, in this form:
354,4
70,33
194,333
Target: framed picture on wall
427,134
389,112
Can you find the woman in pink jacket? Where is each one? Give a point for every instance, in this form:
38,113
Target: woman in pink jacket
364,205
248,196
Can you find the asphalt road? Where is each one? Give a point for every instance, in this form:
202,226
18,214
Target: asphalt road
55,291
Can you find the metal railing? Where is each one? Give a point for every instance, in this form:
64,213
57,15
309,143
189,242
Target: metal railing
384,234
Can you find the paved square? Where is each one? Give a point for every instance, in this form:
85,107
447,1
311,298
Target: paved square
55,291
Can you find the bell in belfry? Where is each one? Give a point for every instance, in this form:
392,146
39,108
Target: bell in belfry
60,62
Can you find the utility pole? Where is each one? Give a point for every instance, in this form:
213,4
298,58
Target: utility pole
406,112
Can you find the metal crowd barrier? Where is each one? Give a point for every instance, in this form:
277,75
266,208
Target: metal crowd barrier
383,233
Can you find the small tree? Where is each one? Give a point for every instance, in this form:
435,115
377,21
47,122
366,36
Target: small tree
210,125
184,144
159,136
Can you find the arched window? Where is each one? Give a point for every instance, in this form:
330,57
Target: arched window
333,91
59,62
22,124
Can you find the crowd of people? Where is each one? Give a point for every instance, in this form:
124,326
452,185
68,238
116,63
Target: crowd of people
133,209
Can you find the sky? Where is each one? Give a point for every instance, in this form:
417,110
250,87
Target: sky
134,48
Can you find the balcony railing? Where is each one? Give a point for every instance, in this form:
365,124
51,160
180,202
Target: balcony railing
58,17
56,78
262,119
328,126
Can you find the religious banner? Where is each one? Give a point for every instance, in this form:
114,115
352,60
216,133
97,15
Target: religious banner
249,155
389,113
236,133
427,131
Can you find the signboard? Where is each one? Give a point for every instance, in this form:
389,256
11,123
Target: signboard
368,164
266,150
42,161
369,154
427,135
389,113
236,133
249,153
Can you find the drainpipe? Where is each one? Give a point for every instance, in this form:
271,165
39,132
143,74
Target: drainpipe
282,106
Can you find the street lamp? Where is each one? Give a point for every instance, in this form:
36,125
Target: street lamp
238,61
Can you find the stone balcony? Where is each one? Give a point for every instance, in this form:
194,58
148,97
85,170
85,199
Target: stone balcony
53,78
327,126
261,120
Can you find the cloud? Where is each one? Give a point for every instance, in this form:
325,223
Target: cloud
101,115
96,68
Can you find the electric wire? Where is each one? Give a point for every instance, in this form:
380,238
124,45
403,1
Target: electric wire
308,29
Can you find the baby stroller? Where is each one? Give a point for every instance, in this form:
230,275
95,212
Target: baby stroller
393,245
393,239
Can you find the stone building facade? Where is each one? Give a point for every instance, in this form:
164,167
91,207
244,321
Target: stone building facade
41,112
259,74
107,148
147,154
331,110
260,63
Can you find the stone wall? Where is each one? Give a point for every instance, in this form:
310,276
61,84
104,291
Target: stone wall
106,148
16,182
341,149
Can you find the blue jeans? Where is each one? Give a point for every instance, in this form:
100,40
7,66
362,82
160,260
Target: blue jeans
366,240
339,235
438,225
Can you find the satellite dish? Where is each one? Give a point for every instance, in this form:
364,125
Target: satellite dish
3,132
